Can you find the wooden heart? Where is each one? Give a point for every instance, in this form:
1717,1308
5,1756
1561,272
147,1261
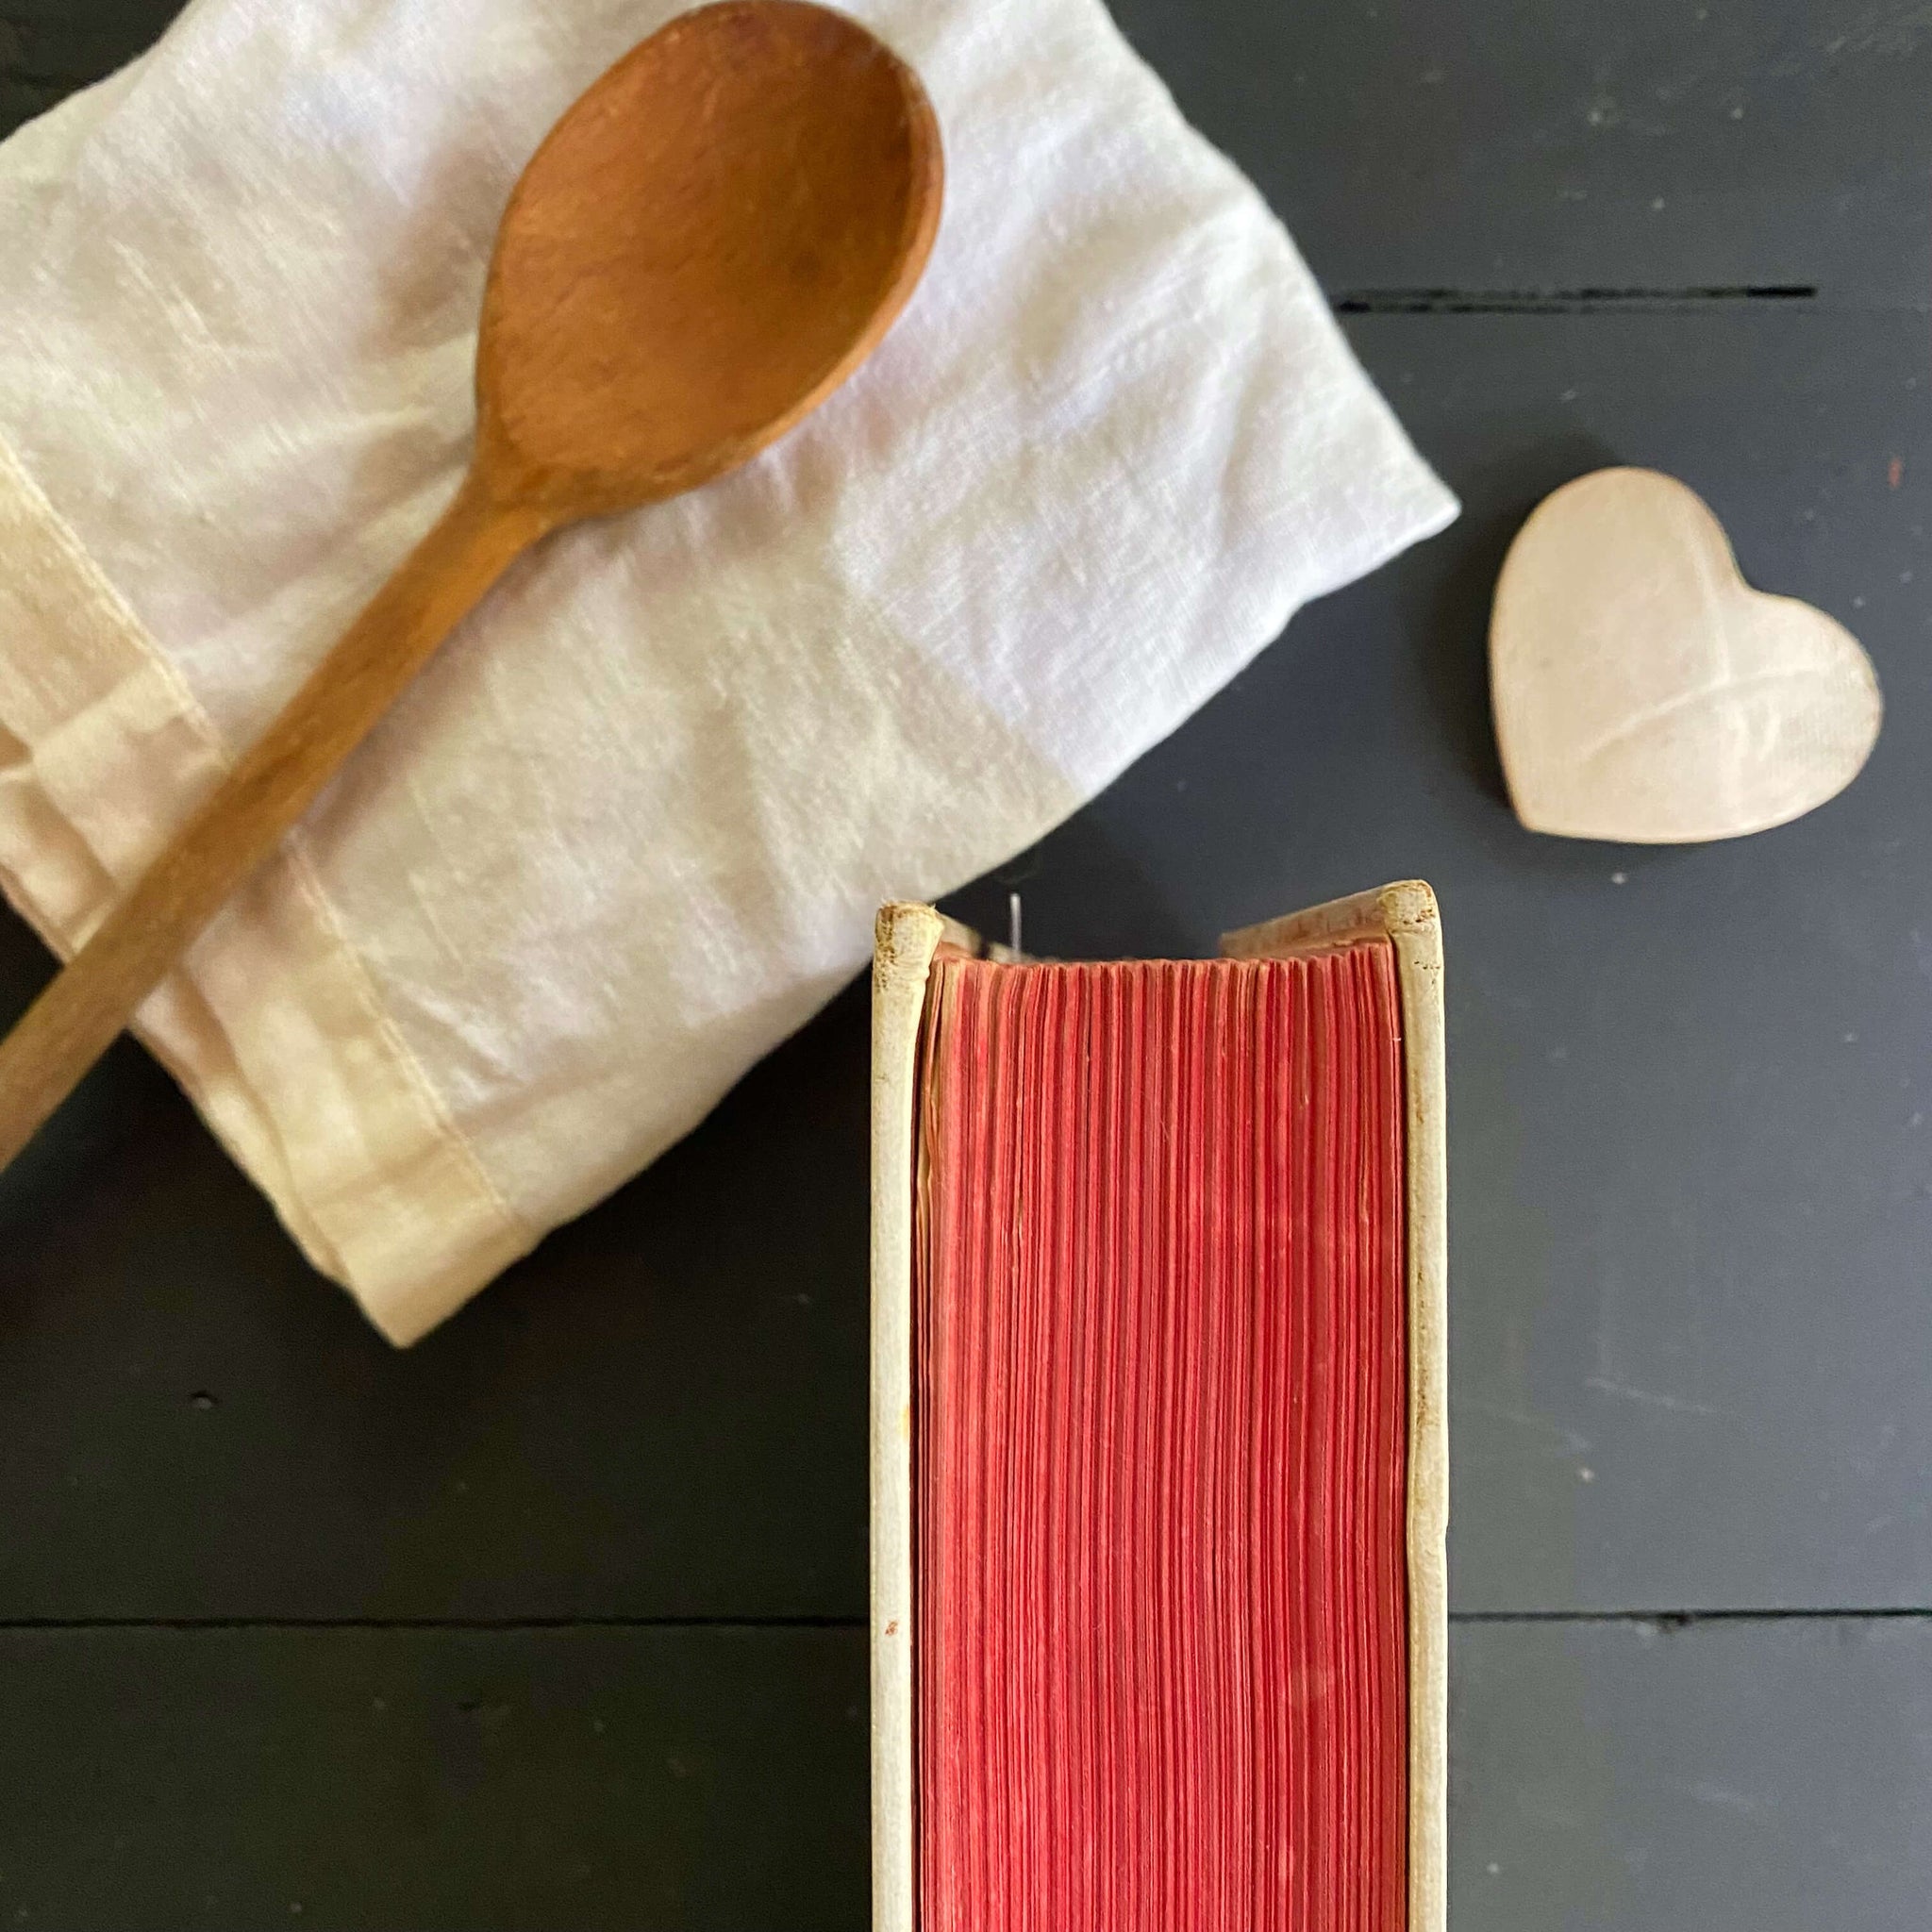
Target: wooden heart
1644,692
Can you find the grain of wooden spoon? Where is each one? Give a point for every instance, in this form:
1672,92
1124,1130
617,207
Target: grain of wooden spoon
706,245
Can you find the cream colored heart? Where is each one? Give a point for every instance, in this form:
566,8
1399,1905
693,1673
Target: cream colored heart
1644,692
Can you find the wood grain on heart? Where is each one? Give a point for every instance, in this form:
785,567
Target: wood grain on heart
1644,692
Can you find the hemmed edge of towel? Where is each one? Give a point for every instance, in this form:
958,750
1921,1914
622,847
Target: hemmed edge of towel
305,1081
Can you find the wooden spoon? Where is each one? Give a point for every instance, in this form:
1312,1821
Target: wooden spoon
704,246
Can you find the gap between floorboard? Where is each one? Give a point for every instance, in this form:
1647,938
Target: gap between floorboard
504,1625
1677,1619
1583,301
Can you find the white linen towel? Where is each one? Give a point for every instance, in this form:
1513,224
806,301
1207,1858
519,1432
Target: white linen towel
630,827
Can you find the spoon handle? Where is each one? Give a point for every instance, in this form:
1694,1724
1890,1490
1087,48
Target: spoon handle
77,1018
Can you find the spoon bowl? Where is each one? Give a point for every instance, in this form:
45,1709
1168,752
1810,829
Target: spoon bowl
704,246
709,242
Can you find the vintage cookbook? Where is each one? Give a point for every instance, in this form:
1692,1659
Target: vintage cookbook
1160,1473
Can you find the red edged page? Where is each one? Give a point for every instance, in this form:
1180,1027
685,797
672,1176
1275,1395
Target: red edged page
1161,1679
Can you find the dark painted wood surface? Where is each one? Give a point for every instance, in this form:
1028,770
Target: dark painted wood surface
563,1780
1692,1174
1643,146
1731,1776
50,47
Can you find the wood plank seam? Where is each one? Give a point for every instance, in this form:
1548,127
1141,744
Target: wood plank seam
1578,301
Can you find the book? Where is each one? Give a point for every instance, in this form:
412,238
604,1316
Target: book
1158,1456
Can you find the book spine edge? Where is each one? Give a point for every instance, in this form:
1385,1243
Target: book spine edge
1418,942
906,938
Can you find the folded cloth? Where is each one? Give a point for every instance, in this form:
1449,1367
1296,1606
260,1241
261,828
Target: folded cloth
629,828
